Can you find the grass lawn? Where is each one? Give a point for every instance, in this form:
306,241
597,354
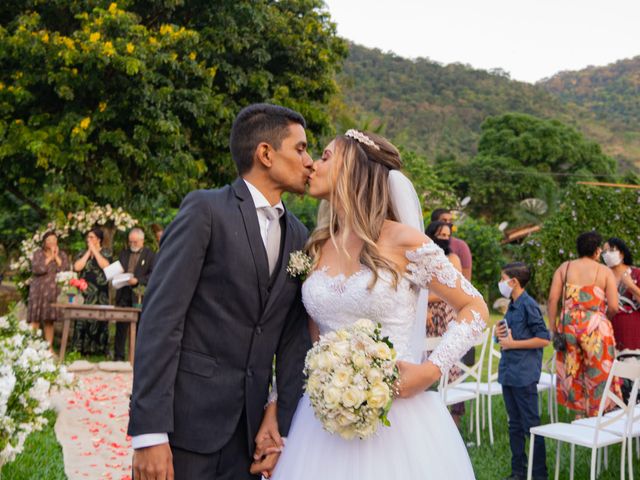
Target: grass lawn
41,458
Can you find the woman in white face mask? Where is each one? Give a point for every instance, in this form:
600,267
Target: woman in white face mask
626,323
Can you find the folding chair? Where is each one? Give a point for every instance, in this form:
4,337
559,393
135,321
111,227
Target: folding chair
451,393
547,383
491,387
599,435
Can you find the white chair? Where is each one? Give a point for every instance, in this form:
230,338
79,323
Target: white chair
491,387
599,435
452,394
547,383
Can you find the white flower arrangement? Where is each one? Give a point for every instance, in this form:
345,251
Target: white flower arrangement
28,372
350,379
81,221
299,264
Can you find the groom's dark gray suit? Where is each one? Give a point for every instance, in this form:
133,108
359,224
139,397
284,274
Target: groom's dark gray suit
213,319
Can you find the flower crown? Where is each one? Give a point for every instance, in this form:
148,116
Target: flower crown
362,138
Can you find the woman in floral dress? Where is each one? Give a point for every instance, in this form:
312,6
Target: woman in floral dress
92,337
43,290
590,294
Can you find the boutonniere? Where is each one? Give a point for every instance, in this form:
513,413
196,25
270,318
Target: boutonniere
142,263
299,264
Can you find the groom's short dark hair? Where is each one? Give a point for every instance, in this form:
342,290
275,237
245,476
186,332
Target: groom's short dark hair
260,122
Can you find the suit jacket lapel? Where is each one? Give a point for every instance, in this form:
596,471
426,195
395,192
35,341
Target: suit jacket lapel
284,262
252,229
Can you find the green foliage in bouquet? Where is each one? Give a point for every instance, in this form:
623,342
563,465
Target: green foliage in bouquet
28,372
612,212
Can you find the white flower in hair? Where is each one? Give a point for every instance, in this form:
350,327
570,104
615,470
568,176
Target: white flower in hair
362,138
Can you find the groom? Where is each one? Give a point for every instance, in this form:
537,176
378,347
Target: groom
218,307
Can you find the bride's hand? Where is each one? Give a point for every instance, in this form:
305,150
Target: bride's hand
415,378
268,439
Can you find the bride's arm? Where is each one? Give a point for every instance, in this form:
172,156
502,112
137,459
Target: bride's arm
428,267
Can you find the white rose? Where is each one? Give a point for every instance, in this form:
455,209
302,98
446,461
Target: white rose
352,397
378,395
341,377
359,360
342,334
325,361
365,324
374,375
382,351
332,396
341,349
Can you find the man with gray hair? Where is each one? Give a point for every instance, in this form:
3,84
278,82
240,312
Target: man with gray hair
137,260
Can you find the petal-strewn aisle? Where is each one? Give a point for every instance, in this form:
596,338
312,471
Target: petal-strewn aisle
92,424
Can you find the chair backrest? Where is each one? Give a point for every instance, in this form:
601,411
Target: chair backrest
630,371
473,372
494,353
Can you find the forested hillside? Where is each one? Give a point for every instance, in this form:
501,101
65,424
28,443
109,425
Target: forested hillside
437,109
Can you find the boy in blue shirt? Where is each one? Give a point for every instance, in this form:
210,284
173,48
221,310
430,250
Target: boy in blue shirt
522,340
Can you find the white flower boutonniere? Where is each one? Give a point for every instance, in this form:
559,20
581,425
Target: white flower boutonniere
299,264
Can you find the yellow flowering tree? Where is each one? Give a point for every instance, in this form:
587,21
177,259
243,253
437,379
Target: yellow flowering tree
130,103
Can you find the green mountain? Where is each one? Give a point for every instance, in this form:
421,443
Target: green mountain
437,109
612,93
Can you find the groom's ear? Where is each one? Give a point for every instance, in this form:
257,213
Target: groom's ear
264,155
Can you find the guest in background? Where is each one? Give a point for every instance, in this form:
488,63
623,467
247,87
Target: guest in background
522,336
589,293
138,260
462,250
457,245
92,337
43,290
626,323
441,313
158,230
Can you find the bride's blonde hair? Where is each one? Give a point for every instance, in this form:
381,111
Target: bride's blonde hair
360,193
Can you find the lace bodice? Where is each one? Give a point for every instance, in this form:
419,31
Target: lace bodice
334,302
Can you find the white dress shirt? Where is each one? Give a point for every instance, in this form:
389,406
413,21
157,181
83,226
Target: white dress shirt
259,200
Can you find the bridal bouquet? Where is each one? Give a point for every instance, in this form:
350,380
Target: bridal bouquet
350,376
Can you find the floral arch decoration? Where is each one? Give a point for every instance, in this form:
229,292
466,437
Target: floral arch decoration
80,221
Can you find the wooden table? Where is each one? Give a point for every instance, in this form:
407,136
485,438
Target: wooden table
101,313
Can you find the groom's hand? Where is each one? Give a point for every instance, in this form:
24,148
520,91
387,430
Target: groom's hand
265,466
153,463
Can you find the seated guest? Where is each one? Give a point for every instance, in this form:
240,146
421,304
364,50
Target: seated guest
91,337
138,260
43,291
626,323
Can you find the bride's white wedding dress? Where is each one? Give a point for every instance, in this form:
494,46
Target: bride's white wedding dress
422,441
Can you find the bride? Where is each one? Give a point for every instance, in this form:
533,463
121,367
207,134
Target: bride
369,264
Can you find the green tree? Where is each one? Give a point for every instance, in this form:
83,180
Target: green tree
610,211
549,146
130,103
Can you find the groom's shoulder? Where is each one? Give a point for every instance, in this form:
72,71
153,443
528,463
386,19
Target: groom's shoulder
207,197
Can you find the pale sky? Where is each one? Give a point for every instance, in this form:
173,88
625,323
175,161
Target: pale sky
530,39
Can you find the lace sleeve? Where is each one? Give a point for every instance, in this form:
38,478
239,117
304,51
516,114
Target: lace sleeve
430,268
